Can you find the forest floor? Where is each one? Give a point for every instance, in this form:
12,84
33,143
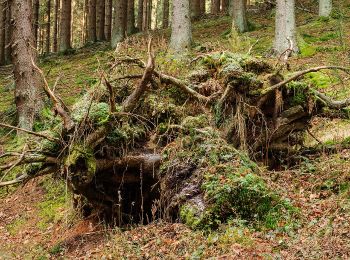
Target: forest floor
37,221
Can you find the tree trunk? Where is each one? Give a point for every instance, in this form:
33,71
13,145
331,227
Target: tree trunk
145,15
36,6
48,27
140,14
65,25
55,26
119,24
8,32
181,31
202,6
108,23
165,22
195,8
27,97
149,14
91,20
2,32
325,8
131,17
224,6
101,8
285,31
239,16
215,6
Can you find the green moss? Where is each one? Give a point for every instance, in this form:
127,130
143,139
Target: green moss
300,92
306,50
51,209
320,79
191,217
16,225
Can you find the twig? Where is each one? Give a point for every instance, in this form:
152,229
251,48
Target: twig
67,121
53,139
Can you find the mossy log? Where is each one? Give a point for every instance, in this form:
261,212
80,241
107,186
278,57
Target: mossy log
177,148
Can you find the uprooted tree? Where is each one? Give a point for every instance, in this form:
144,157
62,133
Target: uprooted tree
169,147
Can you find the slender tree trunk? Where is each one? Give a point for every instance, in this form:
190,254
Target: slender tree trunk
131,17
55,26
225,6
41,40
119,25
8,32
27,80
2,32
165,14
140,14
92,36
181,31
145,15
149,14
285,31
48,27
195,8
65,25
325,8
36,6
215,6
101,7
239,15
202,6
108,26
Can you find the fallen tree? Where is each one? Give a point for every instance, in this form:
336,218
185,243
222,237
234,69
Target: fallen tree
170,147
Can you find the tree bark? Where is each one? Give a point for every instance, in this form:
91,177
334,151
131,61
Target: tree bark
181,31
215,6
225,6
8,32
91,20
48,27
27,81
239,16
149,14
36,6
101,9
131,17
65,25
140,14
108,22
165,22
119,24
285,30
145,15
195,8
202,6
55,26
2,32
325,8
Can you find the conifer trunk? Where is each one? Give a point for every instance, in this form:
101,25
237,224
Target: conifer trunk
27,96
36,6
181,31
239,15
91,20
119,24
325,8
140,15
48,26
55,26
101,8
108,22
285,28
2,32
165,22
131,17
65,25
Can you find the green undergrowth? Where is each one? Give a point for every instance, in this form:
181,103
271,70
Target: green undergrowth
53,208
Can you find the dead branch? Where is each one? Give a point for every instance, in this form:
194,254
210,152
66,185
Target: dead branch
131,102
67,120
302,73
335,104
112,107
53,139
148,162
